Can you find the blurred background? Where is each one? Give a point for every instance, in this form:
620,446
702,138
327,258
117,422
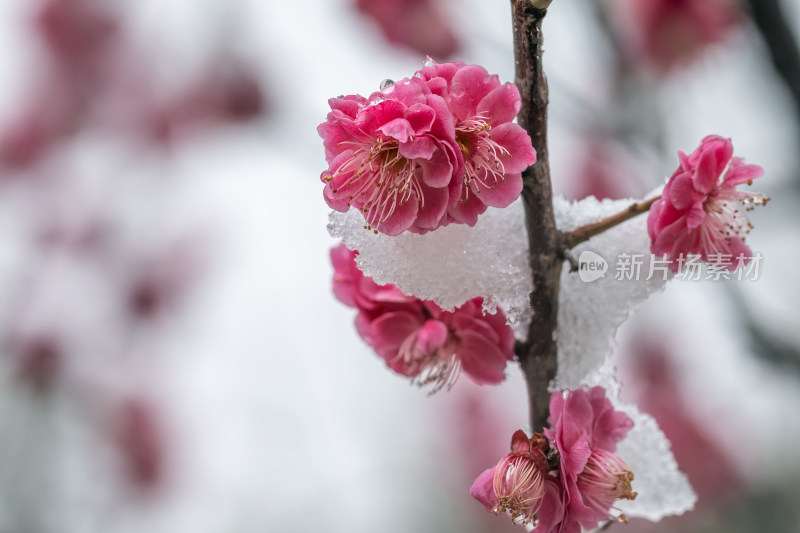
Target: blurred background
171,355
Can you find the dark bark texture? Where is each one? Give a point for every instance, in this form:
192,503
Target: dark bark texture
538,355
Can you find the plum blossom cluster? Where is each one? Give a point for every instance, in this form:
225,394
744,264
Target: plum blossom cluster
700,211
418,339
568,478
433,149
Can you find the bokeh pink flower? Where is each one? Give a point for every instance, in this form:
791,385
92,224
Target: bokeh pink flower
669,33
417,338
653,379
420,25
137,432
701,212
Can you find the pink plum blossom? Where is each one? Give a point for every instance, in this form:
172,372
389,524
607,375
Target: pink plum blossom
421,25
586,477
417,338
426,151
393,157
700,211
519,484
585,429
494,149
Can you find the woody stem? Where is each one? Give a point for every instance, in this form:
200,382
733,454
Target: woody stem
584,233
538,354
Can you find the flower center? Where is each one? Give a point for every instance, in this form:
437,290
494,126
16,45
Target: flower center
605,478
439,369
725,217
483,166
378,180
519,488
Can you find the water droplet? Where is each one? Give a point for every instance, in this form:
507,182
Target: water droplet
387,85
376,98
429,62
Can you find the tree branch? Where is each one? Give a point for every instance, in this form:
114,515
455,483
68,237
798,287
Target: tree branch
584,233
538,354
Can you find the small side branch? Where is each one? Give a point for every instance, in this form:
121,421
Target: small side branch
584,233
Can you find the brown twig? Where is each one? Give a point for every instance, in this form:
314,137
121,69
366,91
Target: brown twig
584,233
538,354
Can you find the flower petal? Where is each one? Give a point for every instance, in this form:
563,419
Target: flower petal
334,202
695,216
551,513
398,128
739,172
402,218
706,175
501,105
387,332
434,208
520,443
503,193
514,139
665,240
470,85
431,336
682,192
421,118
483,489
437,171
422,147
481,359
466,211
